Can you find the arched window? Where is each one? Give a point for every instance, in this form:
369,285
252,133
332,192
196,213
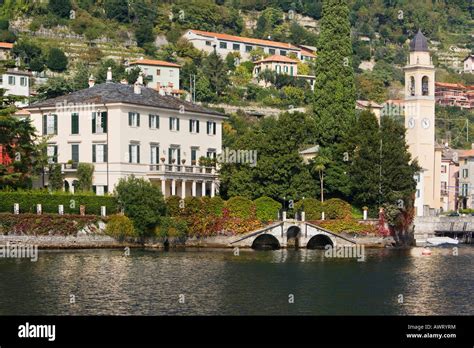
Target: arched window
412,86
424,86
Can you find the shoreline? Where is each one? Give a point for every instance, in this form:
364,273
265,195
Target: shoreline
106,242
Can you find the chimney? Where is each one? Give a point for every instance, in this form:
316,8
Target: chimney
140,78
109,75
137,86
91,81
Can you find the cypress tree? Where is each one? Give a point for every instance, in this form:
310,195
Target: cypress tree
398,183
365,169
334,105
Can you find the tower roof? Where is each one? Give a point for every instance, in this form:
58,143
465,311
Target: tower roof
419,43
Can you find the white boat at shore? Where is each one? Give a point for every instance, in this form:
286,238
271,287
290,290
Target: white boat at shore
437,241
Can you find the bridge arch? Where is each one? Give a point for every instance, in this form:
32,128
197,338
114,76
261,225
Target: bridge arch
266,242
293,234
319,241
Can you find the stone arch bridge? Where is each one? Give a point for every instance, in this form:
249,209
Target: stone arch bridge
289,234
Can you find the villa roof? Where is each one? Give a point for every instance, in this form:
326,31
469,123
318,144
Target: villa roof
6,45
108,93
154,63
277,58
249,40
419,43
469,56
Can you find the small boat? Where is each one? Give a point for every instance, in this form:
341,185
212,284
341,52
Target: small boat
438,241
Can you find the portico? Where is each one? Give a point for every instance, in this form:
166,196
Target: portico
184,181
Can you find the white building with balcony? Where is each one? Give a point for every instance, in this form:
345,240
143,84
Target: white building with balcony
124,130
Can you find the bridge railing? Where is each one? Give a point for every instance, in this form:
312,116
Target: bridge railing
263,230
329,232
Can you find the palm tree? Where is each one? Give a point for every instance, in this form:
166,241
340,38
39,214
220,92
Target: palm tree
319,166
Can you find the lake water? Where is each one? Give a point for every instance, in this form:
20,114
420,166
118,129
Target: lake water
215,282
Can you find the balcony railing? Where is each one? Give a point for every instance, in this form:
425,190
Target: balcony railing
175,168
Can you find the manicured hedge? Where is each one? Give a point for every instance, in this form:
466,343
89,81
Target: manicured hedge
336,208
240,207
312,208
214,206
267,208
50,202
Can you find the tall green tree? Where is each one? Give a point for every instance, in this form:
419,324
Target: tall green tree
56,177
85,173
334,105
398,169
365,169
214,68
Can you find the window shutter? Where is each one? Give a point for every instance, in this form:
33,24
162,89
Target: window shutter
104,122
93,122
177,123
45,124
138,153
179,156
197,126
190,126
208,127
214,127
130,118
106,153
94,159
138,120
149,121
171,123
129,153
55,117
157,121
170,154
55,154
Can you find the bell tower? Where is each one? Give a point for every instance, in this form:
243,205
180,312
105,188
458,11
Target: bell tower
420,124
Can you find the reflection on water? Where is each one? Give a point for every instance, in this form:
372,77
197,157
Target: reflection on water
216,282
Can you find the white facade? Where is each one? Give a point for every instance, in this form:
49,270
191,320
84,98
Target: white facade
160,75
146,141
224,44
16,83
468,64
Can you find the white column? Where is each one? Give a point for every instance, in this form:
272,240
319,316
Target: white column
203,189
194,188
183,189
173,187
213,188
163,186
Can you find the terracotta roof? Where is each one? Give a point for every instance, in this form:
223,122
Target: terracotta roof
246,39
307,52
277,58
6,45
452,85
465,153
155,63
367,103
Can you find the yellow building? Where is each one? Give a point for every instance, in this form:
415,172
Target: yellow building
420,124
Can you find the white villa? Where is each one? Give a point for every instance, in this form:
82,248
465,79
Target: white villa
16,82
224,44
123,130
160,75
468,64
